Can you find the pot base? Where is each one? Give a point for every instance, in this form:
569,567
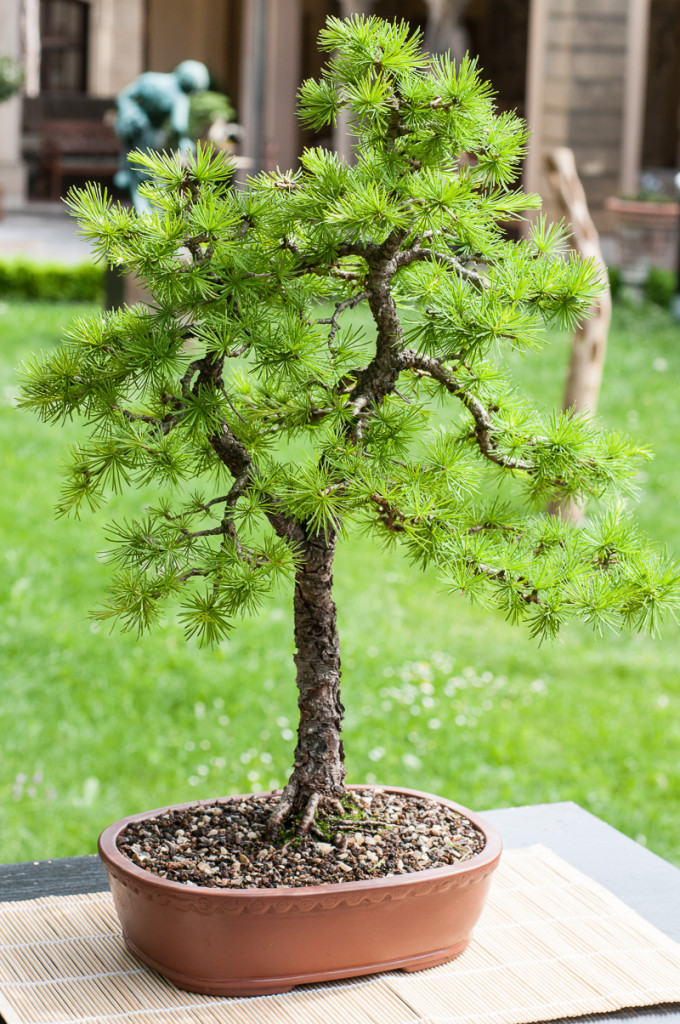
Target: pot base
277,986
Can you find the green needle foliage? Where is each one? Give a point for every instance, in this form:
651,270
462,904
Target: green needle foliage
248,395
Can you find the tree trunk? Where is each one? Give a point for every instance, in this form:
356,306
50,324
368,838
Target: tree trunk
318,778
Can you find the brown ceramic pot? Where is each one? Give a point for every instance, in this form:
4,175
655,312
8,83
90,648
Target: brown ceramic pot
259,941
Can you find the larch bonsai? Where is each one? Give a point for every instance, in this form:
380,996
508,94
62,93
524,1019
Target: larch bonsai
273,421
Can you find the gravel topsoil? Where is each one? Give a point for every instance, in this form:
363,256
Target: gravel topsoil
225,845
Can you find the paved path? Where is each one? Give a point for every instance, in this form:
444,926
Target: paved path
44,233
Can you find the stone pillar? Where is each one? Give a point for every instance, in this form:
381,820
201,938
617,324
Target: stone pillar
116,45
270,78
100,64
178,30
536,59
284,44
342,138
445,32
31,46
252,85
12,171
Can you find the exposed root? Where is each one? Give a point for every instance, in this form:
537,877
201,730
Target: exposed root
315,803
309,814
282,811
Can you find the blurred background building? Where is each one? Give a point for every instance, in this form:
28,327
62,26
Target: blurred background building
599,76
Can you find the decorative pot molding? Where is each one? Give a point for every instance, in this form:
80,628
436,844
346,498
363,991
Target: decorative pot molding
199,901
311,933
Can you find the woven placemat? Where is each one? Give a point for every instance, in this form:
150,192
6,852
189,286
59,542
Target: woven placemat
551,944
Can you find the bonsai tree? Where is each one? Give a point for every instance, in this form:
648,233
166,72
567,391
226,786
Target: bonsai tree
323,354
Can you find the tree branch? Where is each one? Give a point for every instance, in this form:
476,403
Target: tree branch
484,433
312,265
390,247
340,307
390,516
416,254
238,461
215,532
191,573
165,425
394,520
531,597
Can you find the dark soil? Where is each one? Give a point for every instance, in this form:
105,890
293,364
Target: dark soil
225,844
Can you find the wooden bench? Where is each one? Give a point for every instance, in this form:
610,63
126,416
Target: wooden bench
84,149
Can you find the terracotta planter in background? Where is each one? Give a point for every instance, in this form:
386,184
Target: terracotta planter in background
259,941
646,235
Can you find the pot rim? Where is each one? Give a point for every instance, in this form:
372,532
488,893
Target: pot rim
649,208
118,863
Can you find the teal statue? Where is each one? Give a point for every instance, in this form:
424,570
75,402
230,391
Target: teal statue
153,113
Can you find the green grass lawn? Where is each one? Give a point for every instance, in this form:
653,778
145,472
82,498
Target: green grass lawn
439,696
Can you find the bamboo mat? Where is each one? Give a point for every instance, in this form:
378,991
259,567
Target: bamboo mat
551,944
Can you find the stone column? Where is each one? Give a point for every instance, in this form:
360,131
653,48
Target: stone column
116,45
252,85
536,59
342,138
101,52
12,170
270,77
31,46
445,32
281,127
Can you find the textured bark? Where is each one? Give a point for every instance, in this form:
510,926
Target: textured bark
379,378
318,778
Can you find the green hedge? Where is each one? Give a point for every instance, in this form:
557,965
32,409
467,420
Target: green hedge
659,286
51,282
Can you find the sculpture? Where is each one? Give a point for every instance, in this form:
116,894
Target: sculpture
151,110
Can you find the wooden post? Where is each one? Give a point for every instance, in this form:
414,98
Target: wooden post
535,88
634,97
590,340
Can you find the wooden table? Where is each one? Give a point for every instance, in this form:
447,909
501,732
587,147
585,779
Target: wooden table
647,883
